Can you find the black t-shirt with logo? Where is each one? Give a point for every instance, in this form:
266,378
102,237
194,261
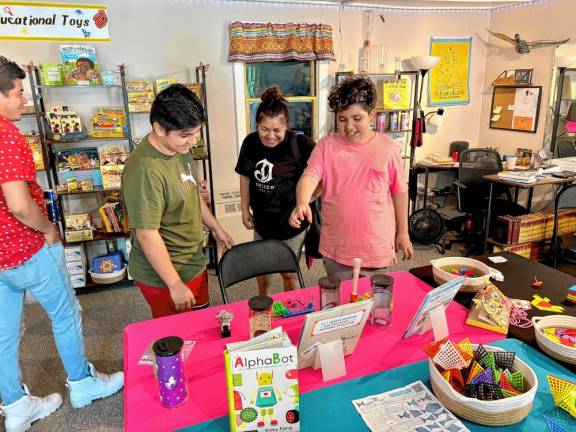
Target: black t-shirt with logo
273,173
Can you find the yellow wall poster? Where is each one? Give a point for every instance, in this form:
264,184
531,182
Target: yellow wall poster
449,79
396,94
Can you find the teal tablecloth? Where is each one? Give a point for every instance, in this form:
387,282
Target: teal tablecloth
330,409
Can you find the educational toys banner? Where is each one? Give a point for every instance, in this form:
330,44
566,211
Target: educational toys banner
53,21
449,79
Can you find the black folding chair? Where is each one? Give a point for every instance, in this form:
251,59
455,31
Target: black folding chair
247,260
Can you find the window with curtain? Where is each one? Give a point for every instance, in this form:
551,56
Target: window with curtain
297,82
284,55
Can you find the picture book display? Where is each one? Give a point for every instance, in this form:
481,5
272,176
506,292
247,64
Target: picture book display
344,323
435,298
80,65
51,74
262,381
78,227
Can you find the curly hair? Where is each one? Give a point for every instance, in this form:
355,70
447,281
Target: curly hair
354,90
273,104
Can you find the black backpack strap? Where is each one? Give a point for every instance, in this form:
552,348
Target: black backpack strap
296,151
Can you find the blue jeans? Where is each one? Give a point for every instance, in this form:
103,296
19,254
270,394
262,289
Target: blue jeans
45,277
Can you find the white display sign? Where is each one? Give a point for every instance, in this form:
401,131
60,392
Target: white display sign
53,21
337,323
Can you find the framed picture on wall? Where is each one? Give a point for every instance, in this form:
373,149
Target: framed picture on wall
515,108
523,76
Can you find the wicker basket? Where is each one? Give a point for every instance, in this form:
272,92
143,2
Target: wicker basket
554,349
490,413
471,284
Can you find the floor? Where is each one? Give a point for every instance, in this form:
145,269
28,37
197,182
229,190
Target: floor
106,311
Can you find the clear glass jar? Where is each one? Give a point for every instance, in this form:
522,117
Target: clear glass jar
382,287
329,287
259,315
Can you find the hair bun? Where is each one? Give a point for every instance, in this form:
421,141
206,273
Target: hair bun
271,93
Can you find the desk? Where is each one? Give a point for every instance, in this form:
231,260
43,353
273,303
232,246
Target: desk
519,274
420,168
493,178
330,409
378,350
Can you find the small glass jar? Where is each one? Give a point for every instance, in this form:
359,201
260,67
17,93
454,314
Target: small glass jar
329,292
382,287
259,315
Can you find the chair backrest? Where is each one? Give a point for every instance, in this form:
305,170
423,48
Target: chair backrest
458,146
247,260
565,147
476,163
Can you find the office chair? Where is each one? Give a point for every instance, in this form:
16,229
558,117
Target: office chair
445,180
565,199
473,192
257,258
565,147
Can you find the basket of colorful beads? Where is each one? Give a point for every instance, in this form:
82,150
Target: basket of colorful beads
476,272
482,384
556,336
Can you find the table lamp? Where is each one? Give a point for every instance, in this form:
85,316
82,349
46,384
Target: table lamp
437,117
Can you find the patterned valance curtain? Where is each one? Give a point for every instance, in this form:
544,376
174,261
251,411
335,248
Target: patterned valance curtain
259,42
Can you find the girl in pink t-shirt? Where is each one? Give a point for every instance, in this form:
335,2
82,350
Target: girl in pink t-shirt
364,193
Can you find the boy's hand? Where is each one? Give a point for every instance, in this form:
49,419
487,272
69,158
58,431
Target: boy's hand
181,296
404,244
223,239
300,213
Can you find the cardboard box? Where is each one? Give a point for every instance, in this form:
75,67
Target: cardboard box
78,280
75,268
75,253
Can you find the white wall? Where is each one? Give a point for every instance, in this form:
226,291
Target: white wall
168,38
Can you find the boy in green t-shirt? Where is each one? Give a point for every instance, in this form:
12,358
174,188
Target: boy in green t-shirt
165,210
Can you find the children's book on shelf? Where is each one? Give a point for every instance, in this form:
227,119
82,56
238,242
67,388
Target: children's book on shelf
196,88
33,140
51,74
80,65
262,380
162,84
396,94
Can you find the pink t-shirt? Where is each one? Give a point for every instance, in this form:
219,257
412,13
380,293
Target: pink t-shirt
358,180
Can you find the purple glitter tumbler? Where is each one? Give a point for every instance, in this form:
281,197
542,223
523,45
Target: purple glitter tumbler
171,377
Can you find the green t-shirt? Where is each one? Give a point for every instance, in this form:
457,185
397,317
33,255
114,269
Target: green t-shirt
160,192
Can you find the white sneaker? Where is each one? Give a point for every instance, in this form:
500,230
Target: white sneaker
96,386
21,414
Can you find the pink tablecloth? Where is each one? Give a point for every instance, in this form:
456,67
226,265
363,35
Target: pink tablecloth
378,350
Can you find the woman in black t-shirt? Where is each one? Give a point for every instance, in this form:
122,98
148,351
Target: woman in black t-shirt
270,164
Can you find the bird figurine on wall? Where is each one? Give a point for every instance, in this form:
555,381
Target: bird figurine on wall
522,46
